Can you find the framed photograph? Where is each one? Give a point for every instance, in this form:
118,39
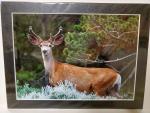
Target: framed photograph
75,55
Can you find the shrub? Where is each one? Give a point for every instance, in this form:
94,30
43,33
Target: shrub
76,46
65,90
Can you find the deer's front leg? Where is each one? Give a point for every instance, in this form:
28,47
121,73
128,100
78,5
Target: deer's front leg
45,79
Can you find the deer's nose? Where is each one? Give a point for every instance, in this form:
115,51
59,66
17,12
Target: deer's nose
44,51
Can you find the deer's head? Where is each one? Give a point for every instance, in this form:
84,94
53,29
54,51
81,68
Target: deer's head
45,45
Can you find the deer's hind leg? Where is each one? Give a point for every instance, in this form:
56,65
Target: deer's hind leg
101,87
114,92
100,90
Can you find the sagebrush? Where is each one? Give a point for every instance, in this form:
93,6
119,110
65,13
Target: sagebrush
65,90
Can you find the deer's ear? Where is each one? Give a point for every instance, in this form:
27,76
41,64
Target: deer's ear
58,39
33,38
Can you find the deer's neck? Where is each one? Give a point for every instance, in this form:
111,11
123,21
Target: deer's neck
49,62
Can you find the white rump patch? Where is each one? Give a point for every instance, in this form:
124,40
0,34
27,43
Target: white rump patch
118,82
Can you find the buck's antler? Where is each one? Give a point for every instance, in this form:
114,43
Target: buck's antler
57,38
31,32
59,32
33,38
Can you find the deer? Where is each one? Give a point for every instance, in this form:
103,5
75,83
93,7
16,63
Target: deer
101,81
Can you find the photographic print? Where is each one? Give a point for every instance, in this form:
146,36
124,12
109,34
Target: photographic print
75,55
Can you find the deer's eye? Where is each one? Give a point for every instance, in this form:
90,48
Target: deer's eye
51,45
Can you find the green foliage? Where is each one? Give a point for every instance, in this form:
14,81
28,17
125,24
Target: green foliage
76,45
113,28
25,75
119,23
120,31
77,28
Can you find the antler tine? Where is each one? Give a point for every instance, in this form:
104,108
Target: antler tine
59,32
30,28
50,37
32,32
57,38
60,28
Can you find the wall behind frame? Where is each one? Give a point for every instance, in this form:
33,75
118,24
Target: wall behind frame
3,104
